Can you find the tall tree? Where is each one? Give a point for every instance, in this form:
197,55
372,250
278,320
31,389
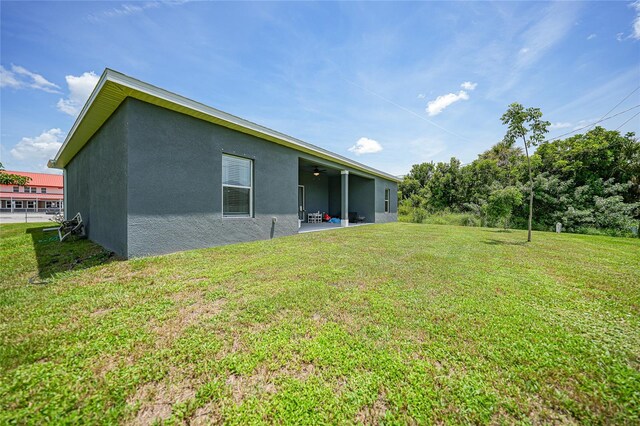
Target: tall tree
525,124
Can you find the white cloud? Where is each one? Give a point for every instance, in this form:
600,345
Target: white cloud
124,10
546,33
366,146
421,96
620,36
582,123
467,85
559,125
80,89
636,22
591,36
438,105
132,9
20,78
501,61
39,148
425,149
8,79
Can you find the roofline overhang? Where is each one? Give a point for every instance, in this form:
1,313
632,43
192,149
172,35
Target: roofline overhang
114,87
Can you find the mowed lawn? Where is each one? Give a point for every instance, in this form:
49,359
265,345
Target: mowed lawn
395,323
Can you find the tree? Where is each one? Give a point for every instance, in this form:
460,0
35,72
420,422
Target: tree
508,158
597,154
12,179
518,118
502,202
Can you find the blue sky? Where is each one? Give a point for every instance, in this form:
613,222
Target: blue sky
388,84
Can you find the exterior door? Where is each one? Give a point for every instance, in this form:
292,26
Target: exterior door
301,202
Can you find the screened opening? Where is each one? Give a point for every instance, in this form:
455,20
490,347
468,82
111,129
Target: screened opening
237,186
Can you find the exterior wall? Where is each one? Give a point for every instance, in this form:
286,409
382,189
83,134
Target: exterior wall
175,184
316,191
334,196
362,197
96,180
381,216
150,182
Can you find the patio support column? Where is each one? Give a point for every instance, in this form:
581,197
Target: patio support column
12,204
344,198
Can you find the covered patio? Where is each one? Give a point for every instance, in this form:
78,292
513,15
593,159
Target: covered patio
343,195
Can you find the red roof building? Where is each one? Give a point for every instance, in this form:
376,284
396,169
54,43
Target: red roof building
44,191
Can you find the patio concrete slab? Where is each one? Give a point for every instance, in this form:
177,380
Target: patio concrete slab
317,227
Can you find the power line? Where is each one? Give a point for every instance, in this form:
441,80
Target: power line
407,110
396,105
625,98
589,125
632,117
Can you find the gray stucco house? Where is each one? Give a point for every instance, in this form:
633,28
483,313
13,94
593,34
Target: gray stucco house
153,172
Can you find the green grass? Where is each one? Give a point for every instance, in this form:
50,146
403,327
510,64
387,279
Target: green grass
395,323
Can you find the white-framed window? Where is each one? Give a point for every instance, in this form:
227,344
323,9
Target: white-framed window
387,200
237,186
31,204
43,190
17,204
16,189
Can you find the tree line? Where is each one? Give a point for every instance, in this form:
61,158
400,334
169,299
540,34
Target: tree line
590,183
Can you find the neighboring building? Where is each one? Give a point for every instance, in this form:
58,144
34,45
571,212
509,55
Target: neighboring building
43,192
153,172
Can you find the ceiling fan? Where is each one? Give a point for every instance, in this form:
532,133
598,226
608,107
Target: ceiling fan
317,171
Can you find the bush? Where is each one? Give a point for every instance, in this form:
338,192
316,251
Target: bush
418,215
459,219
610,232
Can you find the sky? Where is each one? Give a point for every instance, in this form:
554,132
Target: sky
388,84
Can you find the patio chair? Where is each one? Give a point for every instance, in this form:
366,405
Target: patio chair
314,217
74,226
355,218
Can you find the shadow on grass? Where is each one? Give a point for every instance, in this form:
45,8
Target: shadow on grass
499,231
494,242
54,256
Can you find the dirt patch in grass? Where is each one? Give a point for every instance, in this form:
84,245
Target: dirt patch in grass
207,415
100,312
107,363
156,400
541,413
243,386
264,380
372,414
191,313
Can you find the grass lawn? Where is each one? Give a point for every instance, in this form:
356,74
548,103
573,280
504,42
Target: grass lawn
395,323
